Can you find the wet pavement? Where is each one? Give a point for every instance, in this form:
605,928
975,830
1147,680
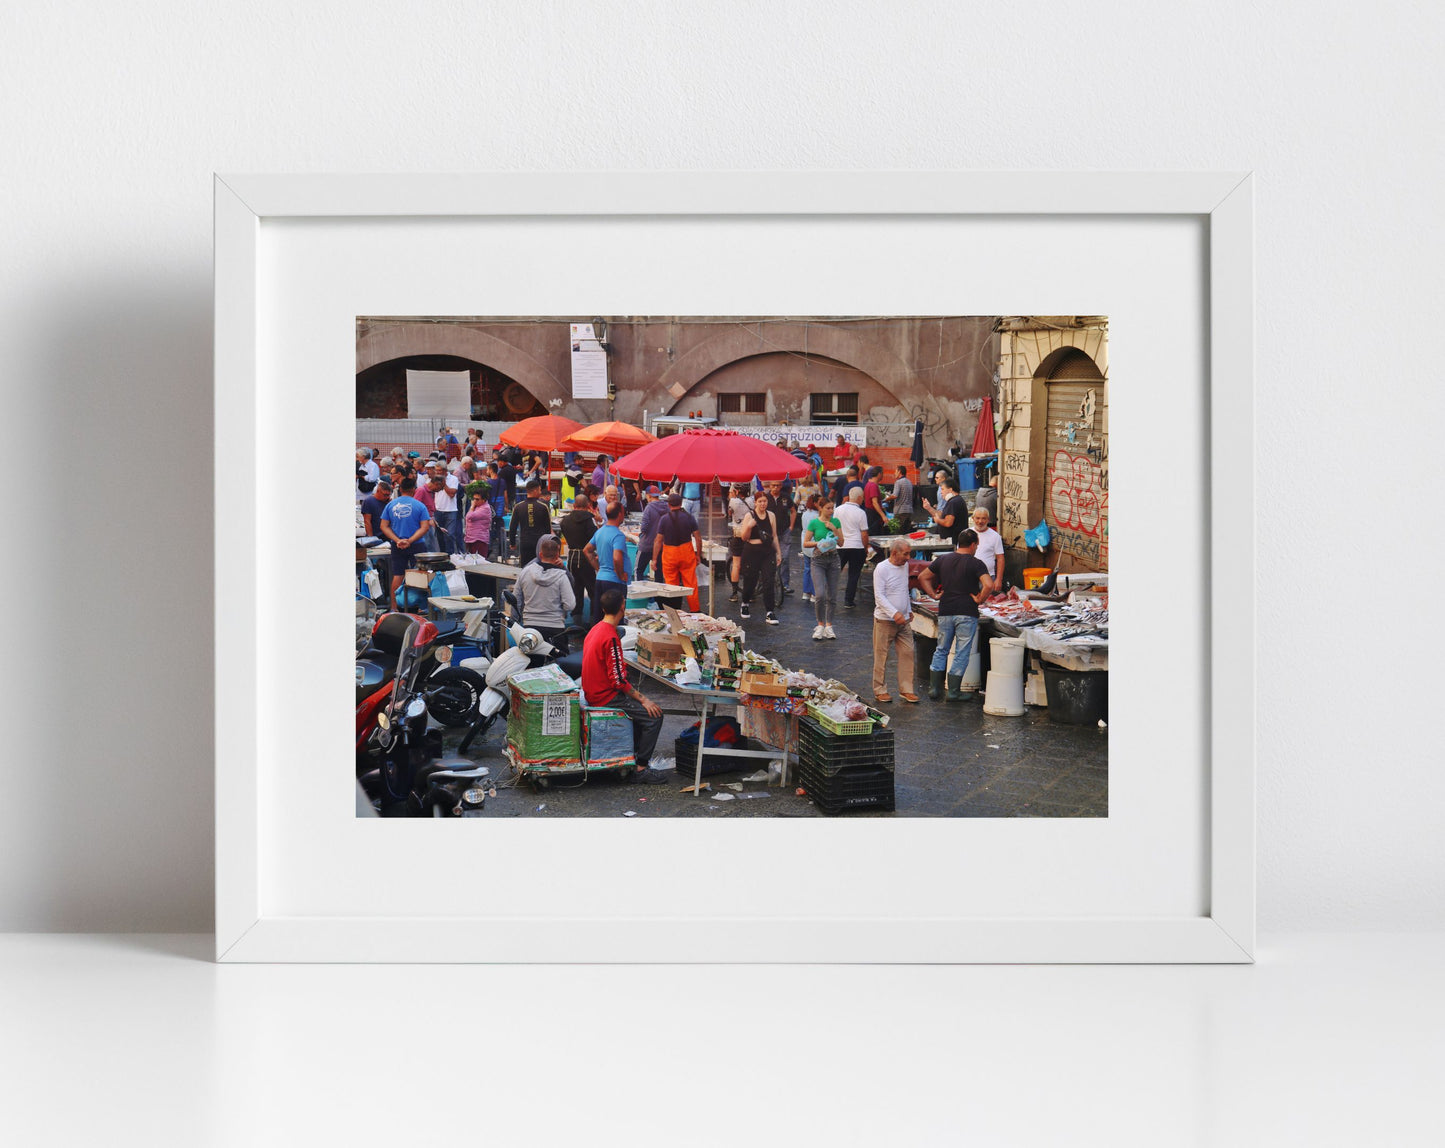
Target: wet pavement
951,759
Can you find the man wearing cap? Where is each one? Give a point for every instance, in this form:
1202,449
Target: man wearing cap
677,549
652,514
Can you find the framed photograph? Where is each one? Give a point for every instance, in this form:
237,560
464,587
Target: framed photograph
589,414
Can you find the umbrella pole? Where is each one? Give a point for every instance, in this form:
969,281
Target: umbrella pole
711,575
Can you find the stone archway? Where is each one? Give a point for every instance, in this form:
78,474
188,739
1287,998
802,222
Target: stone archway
746,341
404,340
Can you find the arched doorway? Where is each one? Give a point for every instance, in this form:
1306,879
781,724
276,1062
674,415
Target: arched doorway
1075,413
495,396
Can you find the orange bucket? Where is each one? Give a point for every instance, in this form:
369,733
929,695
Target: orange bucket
1034,576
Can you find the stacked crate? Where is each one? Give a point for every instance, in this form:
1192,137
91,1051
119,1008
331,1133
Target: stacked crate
847,771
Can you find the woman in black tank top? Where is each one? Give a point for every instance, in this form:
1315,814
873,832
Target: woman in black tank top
760,556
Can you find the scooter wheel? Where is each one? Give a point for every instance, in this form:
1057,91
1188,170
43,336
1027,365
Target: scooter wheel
453,695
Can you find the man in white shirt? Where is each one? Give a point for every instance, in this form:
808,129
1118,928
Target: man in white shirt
853,520
444,494
990,547
892,622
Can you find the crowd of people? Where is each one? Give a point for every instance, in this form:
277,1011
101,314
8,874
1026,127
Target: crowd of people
462,497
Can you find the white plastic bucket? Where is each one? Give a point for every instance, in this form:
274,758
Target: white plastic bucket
1007,655
1005,696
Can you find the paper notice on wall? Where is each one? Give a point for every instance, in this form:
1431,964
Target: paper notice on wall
589,363
556,715
438,394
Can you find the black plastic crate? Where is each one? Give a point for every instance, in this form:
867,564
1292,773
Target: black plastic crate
828,753
686,753
849,789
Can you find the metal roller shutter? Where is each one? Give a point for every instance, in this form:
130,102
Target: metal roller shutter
1076,499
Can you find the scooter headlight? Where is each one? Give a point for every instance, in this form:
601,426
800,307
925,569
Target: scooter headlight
383,719
443,654
474,796
415,708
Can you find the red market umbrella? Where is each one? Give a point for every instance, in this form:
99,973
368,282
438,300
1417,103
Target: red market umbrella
541,432
614,438
710,454
983,440
707,454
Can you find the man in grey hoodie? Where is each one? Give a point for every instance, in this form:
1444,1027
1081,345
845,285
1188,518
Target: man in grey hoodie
545,592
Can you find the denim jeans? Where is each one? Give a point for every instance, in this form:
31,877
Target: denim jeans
807,573
951,628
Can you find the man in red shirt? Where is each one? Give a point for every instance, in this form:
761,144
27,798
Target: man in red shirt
604,678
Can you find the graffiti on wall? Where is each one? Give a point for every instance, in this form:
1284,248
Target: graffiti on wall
1079,506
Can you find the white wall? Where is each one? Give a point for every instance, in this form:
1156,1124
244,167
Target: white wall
113,116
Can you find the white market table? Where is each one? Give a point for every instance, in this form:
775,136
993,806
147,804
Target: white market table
700,699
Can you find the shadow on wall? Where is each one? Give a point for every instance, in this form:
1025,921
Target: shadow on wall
119,835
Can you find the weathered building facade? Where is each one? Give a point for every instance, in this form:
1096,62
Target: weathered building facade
879,372
1054,445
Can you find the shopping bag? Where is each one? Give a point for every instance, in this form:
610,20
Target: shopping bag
456,583
373,584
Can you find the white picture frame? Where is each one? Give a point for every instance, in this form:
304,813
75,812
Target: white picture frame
249,929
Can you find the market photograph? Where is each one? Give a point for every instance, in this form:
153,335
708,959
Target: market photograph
722,566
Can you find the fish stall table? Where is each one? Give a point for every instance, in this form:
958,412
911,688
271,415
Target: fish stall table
1081,653
700,699
488,576
917,547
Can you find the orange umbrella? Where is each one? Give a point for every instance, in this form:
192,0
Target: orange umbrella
608,438
541,432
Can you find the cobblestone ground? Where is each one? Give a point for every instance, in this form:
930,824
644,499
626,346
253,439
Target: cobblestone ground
952,760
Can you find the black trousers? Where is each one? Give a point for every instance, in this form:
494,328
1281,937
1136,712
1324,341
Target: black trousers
762,569
645,727
853,563
583,576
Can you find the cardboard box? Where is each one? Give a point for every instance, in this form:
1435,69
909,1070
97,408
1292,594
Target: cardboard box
763,685
655,649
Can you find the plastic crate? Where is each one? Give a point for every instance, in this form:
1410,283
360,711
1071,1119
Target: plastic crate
686,752
827,753
840,728
863,787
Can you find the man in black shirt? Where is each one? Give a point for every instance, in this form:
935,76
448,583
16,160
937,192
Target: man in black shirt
531,522
958,582
577,527
951,516
507,474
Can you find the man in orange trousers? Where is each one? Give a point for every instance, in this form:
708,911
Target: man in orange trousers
677,550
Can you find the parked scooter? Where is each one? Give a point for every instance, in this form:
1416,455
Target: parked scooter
392,742
451,692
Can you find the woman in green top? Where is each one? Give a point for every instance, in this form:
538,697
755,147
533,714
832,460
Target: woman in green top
825,566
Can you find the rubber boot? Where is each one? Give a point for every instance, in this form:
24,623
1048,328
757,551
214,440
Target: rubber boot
935,684
955,686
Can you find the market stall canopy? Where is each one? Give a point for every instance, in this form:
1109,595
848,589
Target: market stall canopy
983,440
541,432
612,438
705,453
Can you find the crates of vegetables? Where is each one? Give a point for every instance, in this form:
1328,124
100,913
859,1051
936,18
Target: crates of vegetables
544,726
